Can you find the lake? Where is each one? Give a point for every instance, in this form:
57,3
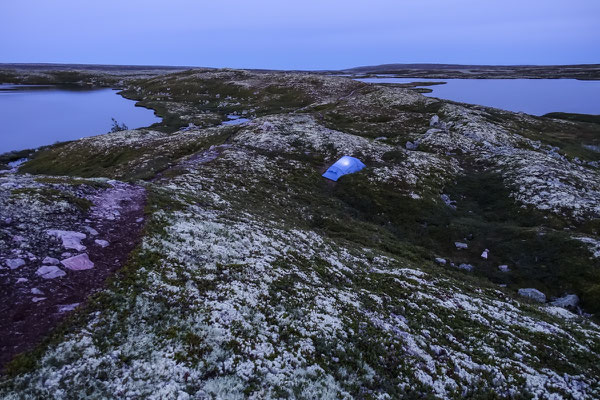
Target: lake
531,96
33,116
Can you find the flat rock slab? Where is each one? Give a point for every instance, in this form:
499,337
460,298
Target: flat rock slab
14,263
70,239
50,272
78,263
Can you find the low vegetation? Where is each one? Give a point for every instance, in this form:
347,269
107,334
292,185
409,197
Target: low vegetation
258,278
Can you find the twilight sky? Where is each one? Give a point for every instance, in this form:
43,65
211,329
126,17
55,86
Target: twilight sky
307,34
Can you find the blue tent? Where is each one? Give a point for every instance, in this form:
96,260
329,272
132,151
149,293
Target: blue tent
343,166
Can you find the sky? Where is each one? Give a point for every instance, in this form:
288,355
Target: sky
307,34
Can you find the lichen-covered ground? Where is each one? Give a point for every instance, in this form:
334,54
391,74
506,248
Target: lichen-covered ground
258,278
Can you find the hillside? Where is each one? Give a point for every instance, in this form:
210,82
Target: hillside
237,271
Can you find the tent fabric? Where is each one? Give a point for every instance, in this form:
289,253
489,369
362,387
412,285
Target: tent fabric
343,166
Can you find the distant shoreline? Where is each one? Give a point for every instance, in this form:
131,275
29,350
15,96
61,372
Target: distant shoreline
435,71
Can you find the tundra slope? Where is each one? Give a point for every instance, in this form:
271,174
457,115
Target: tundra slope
257,278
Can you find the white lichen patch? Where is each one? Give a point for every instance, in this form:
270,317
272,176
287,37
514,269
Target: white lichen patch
238,306
592,243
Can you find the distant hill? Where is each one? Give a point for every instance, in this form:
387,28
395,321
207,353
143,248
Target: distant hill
582,71
92,67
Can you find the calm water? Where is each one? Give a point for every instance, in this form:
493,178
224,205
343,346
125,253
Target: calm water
234,120
532,96
33,116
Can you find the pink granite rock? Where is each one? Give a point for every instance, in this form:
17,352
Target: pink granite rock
50,272
78,263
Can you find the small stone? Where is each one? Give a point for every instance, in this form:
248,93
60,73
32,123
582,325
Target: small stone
38,299
78,263
484,255
50,272
50,261
66,254
141,219
37,291
503,268
441,261
101,243
434,121
567,301
18,238
411,146
533,294
14,263
461,245
91,230
466,267
449,202
22,280
67,307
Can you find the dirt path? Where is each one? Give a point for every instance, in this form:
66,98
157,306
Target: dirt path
53,281
193,161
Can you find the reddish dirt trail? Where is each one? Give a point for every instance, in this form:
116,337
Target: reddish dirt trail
115,220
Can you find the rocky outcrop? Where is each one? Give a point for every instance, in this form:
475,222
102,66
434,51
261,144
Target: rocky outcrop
70,239
40,218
